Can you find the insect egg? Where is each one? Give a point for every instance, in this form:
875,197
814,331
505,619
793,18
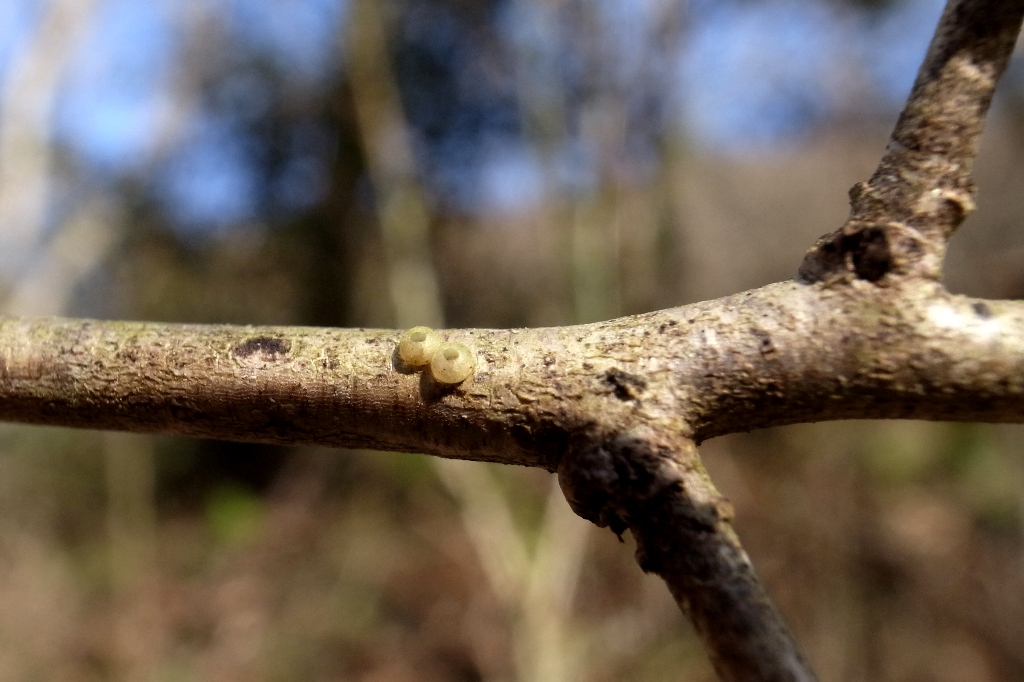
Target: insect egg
453,363
418,346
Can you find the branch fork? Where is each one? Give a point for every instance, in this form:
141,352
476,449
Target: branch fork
616,408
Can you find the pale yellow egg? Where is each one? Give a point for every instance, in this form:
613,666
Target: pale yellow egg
453,363
418,346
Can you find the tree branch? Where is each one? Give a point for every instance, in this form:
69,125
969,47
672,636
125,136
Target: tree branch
902,218
655,485
616,407
781,354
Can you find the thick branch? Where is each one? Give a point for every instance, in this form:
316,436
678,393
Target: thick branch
791,353
782,354
335,387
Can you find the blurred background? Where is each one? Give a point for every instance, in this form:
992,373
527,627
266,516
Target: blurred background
491,163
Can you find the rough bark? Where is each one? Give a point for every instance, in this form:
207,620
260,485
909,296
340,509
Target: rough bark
782,354
922,190
865,331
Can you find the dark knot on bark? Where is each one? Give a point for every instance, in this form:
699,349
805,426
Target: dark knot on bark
873,252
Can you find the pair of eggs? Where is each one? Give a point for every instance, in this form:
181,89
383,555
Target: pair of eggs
450,362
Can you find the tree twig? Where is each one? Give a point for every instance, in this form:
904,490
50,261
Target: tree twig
655,485
922,190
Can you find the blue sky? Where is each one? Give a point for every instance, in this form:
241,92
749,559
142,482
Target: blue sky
747,76
758,74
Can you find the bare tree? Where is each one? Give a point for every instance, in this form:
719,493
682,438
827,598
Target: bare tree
617,408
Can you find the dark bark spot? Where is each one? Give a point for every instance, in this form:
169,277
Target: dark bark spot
982,310
550,440
626,386
522,435
270,347
826,257
865,250
871,255
603,481
765,343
